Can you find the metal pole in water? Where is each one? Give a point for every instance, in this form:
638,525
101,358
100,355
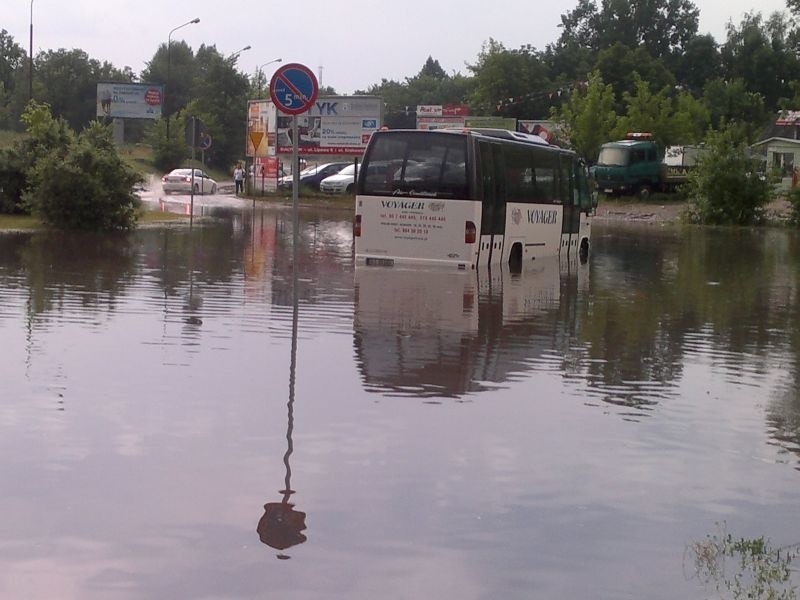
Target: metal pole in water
295,183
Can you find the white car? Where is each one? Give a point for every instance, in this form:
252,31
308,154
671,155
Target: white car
180,182
344,181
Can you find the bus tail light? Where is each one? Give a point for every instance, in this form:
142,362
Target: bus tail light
470,233
357,226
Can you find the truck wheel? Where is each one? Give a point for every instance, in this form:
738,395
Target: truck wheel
644,192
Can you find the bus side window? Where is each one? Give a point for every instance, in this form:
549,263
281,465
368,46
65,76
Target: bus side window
545,166
582,187
487,183
565,181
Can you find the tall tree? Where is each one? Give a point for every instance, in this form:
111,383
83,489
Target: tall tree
174,66
66,80
757,52
221,93
622,67
663,27
12,60
699,63
590,117
510,83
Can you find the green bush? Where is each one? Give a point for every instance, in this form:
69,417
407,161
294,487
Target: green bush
728,186
68,181
794,200
86,185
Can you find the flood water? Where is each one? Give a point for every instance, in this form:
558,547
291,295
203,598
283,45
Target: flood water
182,415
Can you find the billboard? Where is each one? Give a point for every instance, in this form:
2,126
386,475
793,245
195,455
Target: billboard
257,140
441,116
334,125
508,123
130,100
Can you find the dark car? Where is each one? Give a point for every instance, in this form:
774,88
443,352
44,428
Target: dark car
312,176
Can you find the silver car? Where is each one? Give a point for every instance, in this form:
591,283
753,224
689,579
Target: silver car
344,181
180,182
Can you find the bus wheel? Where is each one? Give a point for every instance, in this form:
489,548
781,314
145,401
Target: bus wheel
515,259
583,252
644,192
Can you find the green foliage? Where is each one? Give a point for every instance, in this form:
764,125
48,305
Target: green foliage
727,187
794,200
624,68
761,571
589,117
647,111
12,182
46,137
502,73
77,182
169,153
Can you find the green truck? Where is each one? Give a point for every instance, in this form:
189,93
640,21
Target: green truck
635,166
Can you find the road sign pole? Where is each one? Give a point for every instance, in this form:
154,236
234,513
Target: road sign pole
294,90
295,176
191,198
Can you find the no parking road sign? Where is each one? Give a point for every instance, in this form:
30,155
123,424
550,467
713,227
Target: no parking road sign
293,89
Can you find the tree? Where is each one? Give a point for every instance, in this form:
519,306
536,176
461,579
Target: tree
519,75
433,69
699,63
727,187
662,27
77,182
174,66
757,52
622,68
731,102
220,99
12,60
589,117
67,82
649,112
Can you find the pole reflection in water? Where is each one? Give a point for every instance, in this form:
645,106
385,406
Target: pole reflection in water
281,526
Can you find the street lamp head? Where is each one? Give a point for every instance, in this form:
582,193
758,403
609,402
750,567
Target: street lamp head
269,62
195,20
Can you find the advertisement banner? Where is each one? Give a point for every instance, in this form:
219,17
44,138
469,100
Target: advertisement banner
334,125
130,100
257,140
265,173
431,123
440,116
508,123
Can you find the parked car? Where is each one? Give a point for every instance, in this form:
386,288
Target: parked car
180,182
311,176
344,181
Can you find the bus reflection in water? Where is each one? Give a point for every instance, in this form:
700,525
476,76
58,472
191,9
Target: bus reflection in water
430,333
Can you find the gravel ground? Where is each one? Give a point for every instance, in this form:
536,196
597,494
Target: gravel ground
613,209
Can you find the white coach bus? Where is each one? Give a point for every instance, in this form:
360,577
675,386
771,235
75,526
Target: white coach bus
466,198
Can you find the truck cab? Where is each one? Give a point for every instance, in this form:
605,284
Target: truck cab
629,166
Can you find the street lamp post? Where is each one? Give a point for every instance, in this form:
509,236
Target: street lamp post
30,59
258,69
235,55
169,62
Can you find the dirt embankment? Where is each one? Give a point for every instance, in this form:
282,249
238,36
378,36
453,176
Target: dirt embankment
614,209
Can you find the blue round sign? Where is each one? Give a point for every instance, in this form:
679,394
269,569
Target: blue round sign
293,88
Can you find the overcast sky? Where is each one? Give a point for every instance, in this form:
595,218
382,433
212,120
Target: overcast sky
352,43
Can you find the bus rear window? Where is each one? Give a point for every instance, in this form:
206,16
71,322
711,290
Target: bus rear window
416,164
